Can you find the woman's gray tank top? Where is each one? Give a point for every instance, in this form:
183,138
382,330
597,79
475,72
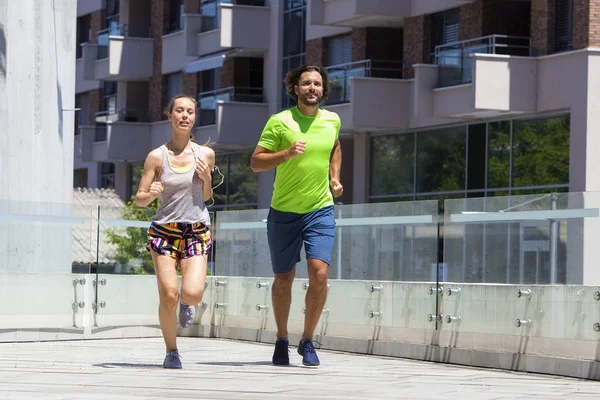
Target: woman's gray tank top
182,197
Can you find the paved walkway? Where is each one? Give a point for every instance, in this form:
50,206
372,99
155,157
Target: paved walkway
222,369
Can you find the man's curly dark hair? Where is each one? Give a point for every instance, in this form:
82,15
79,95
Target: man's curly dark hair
293,79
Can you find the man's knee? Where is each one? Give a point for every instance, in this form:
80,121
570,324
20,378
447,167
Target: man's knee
284,281
318,271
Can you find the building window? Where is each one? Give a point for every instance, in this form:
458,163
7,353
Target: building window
80,178
107,175
207,99
240,187
440,160
84,33
109,103
486,159
498,158
540,152
256,72
445,29
210,80
393,153
111,14
173,87
564,25
175,15
294,41
209,10
339,50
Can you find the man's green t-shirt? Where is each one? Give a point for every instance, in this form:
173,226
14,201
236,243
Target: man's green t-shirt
302,182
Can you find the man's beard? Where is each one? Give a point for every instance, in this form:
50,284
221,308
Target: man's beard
310,103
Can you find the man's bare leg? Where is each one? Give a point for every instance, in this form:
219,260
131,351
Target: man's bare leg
315,295
281,297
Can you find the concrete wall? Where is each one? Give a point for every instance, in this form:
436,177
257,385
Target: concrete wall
37,95
85,7
174,52
245,27
83,85
272,92
131,57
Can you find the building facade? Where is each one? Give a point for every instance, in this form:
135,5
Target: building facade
438,99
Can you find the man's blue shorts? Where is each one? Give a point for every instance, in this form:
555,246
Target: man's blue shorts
287,231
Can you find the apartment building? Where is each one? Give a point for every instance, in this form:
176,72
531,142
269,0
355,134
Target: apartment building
438,98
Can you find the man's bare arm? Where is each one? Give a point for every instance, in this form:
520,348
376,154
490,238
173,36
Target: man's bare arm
265,159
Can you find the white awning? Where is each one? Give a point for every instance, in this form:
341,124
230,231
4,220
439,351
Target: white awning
210,61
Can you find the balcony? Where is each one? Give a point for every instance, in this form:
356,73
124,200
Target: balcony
180,47
123,136
454,59
117,56
369,95
359,13
232,117
373,13
482,78
226,24
83,85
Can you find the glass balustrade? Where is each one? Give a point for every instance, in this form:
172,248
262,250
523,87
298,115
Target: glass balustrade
495,269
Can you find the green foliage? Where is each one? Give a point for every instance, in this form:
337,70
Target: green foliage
541,152
130,243
241,186
538,153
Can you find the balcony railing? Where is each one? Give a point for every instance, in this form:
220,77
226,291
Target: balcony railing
131,114
339,76
454,59
207,101
104,34
102,118
210,11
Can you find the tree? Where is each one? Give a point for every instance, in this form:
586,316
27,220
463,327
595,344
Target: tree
130,243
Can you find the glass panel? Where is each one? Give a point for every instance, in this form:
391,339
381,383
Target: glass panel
525,248
476,157
242,182
121,254
392,153
339,80
220,192
292,4
454,57
208,10
208,104
176,11
505,239
541,152
391,246
441,160
44,266
292,35
374,243
498,168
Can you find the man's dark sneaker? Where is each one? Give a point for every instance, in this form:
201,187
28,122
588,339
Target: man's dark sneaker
281,355
172,360
307,350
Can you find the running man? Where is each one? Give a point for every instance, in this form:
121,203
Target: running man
302,143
